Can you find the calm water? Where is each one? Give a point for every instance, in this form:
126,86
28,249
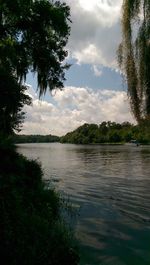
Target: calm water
110,186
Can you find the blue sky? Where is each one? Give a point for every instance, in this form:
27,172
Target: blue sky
93,90
99,77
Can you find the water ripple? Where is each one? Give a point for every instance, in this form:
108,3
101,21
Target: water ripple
110,188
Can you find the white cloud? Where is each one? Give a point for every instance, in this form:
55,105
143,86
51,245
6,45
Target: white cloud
97,70
30,92
95,31
73,107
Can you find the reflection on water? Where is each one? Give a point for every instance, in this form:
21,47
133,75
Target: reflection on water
111,185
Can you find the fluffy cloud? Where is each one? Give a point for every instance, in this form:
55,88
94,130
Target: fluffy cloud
73,107
95,31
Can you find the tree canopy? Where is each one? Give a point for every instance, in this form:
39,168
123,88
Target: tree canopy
108,132
134,55
33,36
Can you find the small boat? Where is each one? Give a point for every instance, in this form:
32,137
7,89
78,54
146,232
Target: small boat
133,143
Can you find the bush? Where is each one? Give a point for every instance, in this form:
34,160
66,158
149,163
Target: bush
31,227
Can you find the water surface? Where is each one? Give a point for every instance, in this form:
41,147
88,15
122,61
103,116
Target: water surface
110,186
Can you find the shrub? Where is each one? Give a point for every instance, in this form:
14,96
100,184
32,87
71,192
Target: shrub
32,230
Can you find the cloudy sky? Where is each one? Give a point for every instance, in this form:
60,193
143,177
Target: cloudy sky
93,91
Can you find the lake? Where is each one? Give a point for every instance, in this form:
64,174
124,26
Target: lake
109,186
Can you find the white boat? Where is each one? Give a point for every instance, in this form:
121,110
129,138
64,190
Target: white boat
133,143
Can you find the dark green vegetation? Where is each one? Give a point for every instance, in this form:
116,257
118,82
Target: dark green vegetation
36,138
134,55
32,230
12,100
33,34
108,132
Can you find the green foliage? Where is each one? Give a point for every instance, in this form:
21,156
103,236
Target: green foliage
12,100
35,139
134,55
108,132
33,35
31,227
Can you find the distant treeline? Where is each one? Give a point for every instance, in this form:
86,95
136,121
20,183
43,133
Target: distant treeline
35,138
108,132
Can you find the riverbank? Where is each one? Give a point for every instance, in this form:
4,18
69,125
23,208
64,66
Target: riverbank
32,228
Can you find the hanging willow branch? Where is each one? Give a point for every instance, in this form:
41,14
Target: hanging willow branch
134,55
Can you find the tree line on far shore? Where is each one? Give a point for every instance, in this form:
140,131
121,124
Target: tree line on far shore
22,138
106,132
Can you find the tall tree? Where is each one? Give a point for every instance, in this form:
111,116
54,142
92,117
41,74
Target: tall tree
134,55
33,36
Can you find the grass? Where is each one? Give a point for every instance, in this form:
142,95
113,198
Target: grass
32,229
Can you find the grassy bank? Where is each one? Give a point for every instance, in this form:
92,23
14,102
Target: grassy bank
32,230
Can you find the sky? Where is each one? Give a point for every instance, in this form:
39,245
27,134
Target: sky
93,91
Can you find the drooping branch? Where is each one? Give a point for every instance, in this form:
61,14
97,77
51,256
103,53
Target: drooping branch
134,55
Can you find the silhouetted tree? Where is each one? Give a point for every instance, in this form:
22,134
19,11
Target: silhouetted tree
12,100
33,35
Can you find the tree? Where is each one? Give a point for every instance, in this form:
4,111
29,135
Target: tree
134,55
12,100
33,34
